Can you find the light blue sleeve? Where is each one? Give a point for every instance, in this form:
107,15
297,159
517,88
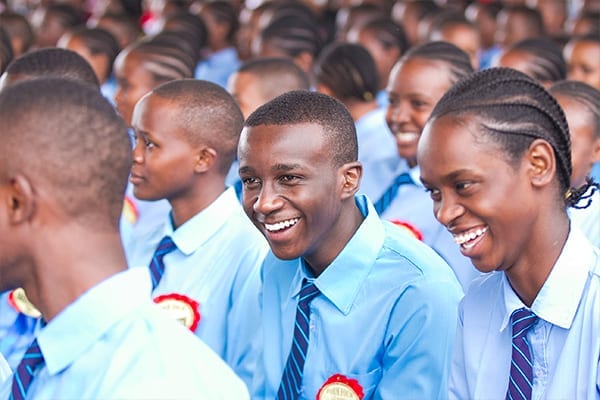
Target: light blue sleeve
5,371
457,386
419,342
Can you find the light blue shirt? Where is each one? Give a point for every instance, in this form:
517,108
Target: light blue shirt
218,66
386,316
217,264
377,152
565,342
413,204
114,343
5,371
588,219
17,331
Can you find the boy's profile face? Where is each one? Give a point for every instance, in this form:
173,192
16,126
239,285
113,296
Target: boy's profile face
292,190
485,202
133,82
582,61
163,162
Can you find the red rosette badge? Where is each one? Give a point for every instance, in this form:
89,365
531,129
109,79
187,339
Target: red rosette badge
340,387
182,308
19,301
413,230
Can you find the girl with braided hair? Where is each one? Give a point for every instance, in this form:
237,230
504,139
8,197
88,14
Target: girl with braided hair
495,156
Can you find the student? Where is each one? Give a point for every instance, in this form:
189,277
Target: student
540,58
104,337
19,30
518,22
453,27
483,15
347,72
51,21
186,134
383,318
496,159
582,54
581,104
416,83
5,371
6,50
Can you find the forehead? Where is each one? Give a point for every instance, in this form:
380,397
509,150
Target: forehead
420,76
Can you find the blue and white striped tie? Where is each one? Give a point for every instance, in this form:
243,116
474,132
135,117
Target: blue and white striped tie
157,266
520,383
32,360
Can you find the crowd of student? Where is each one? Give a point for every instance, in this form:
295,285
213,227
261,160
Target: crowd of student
300,199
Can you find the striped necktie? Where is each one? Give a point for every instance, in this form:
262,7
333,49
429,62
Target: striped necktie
291,380
157,266
32,360
520,382
390,194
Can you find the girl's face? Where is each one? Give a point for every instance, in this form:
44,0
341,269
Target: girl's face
585,143
133,82
474,191
414,87
582,60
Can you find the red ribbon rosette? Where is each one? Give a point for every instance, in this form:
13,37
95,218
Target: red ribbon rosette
182,308
340,387
409,227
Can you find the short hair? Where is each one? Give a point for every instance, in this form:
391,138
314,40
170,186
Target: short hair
388,33
98,41
585,95
70,138
17,25
349,71
51,62
206,114
306,107
459,63
190,25
225,12
292,35
548,64
277,75
513,110
6,50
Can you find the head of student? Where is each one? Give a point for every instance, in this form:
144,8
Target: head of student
298,164
64,165
184,129
416,83
496,158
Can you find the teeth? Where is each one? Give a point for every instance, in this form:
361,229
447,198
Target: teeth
406,137
465,237
281,225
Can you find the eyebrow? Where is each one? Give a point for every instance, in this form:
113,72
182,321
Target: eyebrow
285,167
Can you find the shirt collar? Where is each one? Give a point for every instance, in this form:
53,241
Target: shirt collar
560,295
80,325
341,281
197,230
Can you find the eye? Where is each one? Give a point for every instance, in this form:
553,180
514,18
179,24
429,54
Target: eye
434,193
250,183
288,179
418,104
149,143
462,186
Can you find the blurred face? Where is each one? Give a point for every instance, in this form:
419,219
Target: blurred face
415,86
133,82
582,61
585,143
48,28
466,39
163,162
292,191
245,89
511,28
516,59
99,62
474,192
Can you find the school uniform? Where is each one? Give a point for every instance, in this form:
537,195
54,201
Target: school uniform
215,271
587,219
218,66
414,206
5,371
384,321
113,342
17,331
377,152
564,343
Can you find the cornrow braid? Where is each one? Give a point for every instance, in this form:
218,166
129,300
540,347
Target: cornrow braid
515,110
459,63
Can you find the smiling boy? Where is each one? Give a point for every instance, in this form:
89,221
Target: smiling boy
374,309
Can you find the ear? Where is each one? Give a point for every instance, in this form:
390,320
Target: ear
19,200
205,159
350,174
542,163
596,150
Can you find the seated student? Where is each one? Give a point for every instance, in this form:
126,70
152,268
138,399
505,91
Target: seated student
19,319
453,27
518,22
383,311
347,72
103,338
495,156
416,83
19,31
186,136
582,54
483,15
581,104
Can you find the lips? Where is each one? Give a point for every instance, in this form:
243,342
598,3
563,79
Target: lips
136,179
281,225
469,238
406,137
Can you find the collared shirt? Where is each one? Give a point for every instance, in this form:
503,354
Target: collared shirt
17,331
565,342
113,342
217,264
377,151
218,66
386,316
588,219
413,205
5,371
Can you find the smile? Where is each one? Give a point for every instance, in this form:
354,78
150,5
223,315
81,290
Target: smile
406,137
467,239
281,225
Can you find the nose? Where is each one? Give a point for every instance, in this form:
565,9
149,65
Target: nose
447,211
397,114
138,151
267,200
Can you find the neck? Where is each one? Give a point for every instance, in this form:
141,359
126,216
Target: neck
196,200
359,108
